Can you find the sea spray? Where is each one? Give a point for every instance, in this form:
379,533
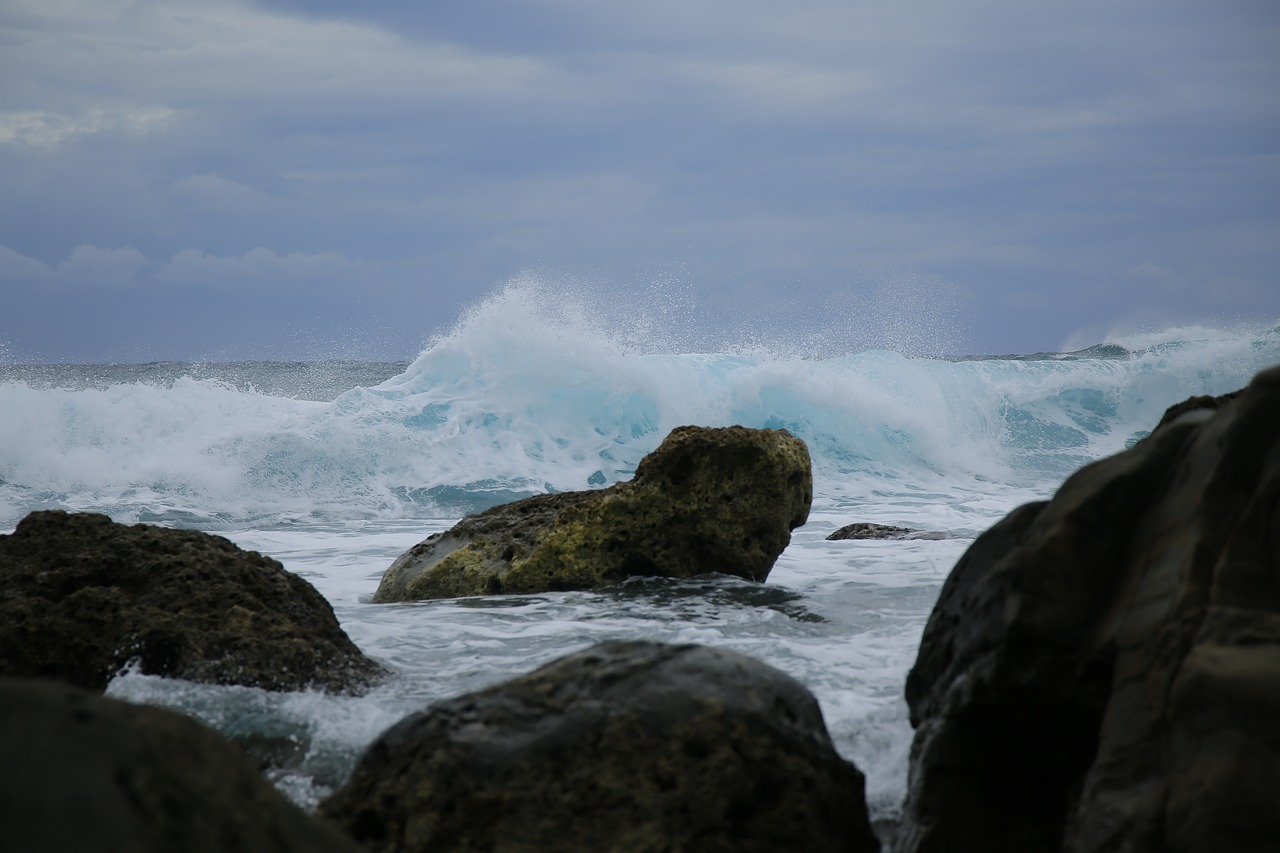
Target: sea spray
520,398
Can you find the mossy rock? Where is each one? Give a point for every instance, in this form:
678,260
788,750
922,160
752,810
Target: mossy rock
81,596
707,500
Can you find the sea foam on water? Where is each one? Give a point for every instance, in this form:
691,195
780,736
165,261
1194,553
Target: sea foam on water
534,392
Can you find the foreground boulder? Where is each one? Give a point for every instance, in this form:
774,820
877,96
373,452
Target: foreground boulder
85,773
707,500
81,596
1102,671
626,746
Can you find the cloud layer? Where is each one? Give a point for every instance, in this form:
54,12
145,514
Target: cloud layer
367,170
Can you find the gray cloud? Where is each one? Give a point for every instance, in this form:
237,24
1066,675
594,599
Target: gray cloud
46,129
93,266
402,158
18,268
90,266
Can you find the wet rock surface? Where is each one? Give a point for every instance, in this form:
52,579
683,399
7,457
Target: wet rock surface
1102,671
86,773
625,746
706,500
81,596
866,530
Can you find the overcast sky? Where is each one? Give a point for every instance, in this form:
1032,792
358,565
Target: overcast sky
214,179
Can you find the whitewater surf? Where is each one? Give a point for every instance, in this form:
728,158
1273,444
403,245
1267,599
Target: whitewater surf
337,468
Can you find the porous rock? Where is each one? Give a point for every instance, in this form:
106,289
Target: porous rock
627,746
86,773
707,500
81,596
1102,671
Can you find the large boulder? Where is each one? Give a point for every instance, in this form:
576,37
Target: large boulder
627,746
86,773
1102,671
81,596
707,500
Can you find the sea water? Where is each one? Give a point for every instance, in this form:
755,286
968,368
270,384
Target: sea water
335,468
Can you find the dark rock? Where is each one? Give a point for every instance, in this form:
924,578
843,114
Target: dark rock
866,530
626,746
707,500
86,773
1192,404
80,596
1102,671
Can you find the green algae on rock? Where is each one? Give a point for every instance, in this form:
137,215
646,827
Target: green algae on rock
707,500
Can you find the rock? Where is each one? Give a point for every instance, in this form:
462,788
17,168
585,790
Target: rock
866,530
1191,404
626,746
1102,671
80,596
707,500
86,773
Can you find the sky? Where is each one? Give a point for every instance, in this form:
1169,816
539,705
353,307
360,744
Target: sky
219,179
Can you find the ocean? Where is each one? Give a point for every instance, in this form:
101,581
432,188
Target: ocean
335,468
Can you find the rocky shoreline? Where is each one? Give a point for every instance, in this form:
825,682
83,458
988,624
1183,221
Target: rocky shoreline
1101,672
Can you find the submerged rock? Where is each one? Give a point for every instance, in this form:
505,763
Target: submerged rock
87,773
707,500
81,596
626,746
1102,671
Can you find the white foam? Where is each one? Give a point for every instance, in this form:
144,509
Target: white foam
841,617
533,391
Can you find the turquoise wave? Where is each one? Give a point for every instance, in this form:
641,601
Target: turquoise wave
512,403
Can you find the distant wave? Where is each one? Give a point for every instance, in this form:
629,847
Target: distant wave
518,399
